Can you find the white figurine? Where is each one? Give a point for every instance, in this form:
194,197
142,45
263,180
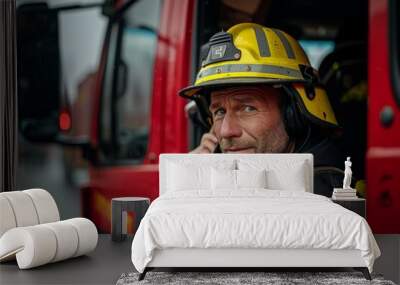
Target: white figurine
347,174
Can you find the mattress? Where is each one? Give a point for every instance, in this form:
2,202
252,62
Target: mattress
251,218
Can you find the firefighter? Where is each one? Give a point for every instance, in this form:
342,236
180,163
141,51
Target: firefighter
259,94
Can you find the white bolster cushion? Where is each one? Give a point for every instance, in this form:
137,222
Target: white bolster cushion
40,244
33,246
87,233
66,238
23,208
46,207
7,218
26,208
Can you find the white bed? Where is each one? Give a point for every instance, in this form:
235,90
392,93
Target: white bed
201,219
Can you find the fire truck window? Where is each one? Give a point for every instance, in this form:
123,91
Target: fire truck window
131,73
317,50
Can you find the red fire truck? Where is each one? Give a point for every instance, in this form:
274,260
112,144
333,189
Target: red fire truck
151,50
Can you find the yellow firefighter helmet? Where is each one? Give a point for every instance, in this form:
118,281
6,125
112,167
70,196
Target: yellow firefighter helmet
249,53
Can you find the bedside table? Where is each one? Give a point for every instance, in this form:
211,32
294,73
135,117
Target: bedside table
119,208
356,205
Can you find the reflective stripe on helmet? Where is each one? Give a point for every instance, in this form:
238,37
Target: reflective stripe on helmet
285,42
262,42
259,68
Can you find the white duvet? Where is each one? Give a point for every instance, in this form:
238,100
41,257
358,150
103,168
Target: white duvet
250,219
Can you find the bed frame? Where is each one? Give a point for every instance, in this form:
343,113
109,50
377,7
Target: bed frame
242,259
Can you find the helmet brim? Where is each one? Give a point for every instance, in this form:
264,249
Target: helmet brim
190,91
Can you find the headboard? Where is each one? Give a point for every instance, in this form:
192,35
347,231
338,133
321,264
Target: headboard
266,160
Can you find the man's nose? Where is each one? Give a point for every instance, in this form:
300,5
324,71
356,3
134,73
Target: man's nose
230,126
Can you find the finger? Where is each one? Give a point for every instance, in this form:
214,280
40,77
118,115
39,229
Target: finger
209,137
212,130
197,150
209,145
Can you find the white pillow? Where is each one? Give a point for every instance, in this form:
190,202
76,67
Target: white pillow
251,178
281,174
288,177
187,177
223,179
188,174
293,181
227,179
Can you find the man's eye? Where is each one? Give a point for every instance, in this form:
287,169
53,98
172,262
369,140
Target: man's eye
249,109
219,112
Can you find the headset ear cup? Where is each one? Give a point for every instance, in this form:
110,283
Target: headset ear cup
294,121
299,121
288,120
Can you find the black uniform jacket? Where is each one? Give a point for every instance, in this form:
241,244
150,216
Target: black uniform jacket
328,165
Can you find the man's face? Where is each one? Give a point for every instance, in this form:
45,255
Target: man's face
248,120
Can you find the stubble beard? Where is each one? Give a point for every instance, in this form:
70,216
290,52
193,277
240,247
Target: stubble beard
276,140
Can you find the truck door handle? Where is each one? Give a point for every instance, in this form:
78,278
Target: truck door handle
122,78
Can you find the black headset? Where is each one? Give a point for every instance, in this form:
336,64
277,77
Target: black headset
295,124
